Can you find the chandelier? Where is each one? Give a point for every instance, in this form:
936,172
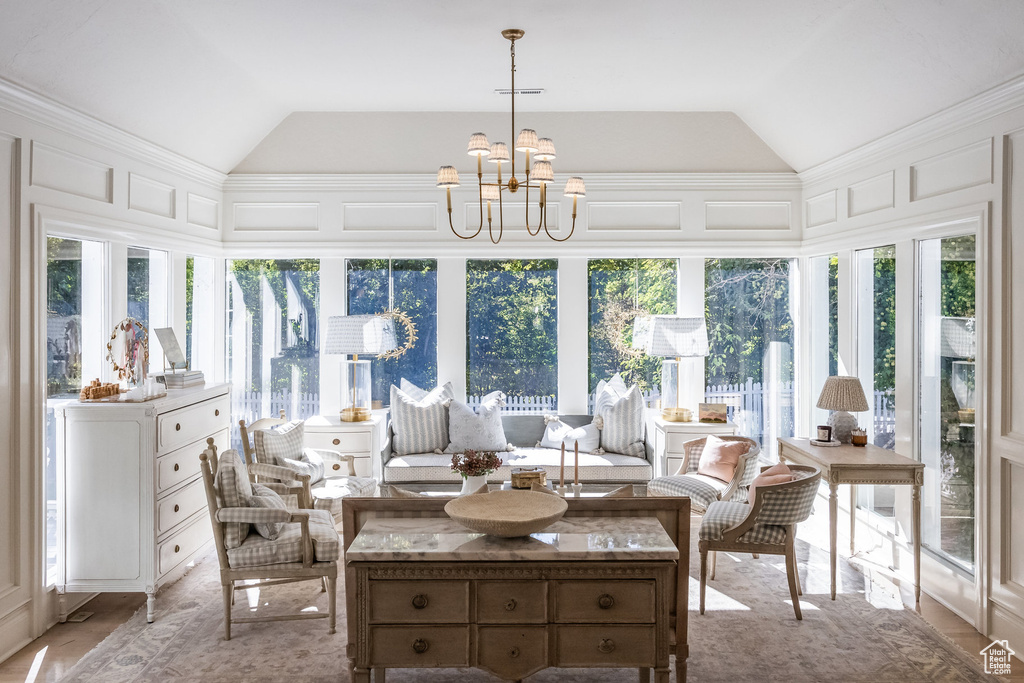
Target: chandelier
543,151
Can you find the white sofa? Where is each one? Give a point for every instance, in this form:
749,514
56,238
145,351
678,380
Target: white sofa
523,432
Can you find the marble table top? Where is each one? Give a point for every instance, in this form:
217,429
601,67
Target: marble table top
576,538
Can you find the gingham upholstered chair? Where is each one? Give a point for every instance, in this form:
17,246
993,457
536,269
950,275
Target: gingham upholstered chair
307,546
326,488
767,526
703,490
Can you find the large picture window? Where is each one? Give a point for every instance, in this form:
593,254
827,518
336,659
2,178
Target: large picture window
512,332
200,307
147,293
273,349
408,285
823,294
748,306
621,289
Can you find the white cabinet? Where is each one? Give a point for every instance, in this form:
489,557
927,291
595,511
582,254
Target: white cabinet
669,438
364,440
134,511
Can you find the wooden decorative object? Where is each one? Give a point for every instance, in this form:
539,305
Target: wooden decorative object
525,477
128,350
507,514
403,319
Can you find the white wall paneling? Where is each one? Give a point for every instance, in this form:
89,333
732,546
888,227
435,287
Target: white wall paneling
276,216
872,194
951,171
56,169
821,210
203,212
633,216
390,216
151,196
745,215
514,214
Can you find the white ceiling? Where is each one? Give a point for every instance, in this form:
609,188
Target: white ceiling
210,79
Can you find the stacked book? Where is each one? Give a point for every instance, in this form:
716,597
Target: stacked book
180,380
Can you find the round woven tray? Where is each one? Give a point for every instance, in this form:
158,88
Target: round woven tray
507,513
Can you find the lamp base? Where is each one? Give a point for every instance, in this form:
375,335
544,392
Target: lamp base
352,414
842,424
676,415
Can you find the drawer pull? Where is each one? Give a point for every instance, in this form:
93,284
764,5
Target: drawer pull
419,646
337,442
510,604
176,467
175,508
606,645
177,548
177,427
419,602
216,412
513,652
606,601
337,466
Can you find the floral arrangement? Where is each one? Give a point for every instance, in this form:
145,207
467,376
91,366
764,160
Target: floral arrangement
473,464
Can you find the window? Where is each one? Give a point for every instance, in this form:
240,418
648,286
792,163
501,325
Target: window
619,290
876,361
147,293
948,345
378,285
750,332
273,348
199,313
512,332
823,295
74,349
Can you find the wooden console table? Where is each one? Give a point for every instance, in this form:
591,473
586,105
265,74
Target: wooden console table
855,465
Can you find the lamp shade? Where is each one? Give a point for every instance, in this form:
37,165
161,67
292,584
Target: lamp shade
675,336
545,150
447,176
527,140
542,172
574,187
359,334
490,193
478,145
499,152
843,393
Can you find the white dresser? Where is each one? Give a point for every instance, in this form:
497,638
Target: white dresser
134,510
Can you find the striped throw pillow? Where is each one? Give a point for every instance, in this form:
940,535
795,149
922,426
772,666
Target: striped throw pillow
276,446
420,426
623,430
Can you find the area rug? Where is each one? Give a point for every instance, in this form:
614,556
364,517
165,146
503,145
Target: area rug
748,633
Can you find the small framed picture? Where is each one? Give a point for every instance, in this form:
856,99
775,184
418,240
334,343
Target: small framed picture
713,412
824,433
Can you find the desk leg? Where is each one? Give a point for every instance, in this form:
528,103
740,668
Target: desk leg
916,530
833,513
853,518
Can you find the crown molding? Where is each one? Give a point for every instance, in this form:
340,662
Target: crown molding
48,112
329,182
970,112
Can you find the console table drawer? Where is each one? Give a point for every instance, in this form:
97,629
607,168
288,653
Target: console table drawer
511,602
419,602
419,646
185,425
179,506
611,645
512,652
614,602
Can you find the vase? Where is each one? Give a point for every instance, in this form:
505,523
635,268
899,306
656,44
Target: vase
471,484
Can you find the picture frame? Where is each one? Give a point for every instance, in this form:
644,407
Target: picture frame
716,413
824,433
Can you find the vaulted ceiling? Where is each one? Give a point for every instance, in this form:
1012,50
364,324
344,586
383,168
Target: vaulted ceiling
211,80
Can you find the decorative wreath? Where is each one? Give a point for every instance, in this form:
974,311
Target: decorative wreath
617,316
403,319
136,344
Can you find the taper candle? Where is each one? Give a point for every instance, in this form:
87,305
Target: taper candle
576,468
561,471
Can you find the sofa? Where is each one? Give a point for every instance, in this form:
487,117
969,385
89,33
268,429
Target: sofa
524,432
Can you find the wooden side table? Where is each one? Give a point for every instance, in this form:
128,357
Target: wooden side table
854,465
669,438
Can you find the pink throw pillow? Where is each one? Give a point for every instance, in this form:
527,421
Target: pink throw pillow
720,458
776,474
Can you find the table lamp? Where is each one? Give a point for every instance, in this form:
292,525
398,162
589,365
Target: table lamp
357,335
840,395
672,336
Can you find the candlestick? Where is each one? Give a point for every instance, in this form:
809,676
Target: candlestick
576,468
561,470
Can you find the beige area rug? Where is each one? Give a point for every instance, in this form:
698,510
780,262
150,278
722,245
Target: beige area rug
747,634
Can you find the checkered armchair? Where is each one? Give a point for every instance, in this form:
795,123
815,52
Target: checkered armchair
703,490
303,546
767,526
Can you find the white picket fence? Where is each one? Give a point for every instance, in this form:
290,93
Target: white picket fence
521,404
251,406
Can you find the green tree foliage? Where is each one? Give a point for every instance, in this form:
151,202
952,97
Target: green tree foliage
63,303
512,323
884,327
617,288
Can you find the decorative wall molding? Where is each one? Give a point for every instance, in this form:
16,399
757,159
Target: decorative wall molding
285,216
56,169
633,216
821,209
998,100
41,109
151,196
747,215
872,194
419,216
202,212
958,169
514,214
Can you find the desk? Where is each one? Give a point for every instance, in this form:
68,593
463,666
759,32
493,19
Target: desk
854,465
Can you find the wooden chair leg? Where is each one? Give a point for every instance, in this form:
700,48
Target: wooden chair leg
332,595
703,576
232,586
755,556
799,586
379,676
229,594
645,675
323,584
714,563
791,575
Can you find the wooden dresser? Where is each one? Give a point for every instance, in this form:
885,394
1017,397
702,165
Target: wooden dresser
588,592
134,508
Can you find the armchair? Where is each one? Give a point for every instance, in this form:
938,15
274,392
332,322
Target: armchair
307,546
768,525
703,490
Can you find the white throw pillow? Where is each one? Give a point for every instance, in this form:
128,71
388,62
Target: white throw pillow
623,422
411,390
420,426
277,446
480,431
557,432
608,391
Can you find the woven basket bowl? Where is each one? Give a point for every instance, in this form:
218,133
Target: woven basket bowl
507,513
